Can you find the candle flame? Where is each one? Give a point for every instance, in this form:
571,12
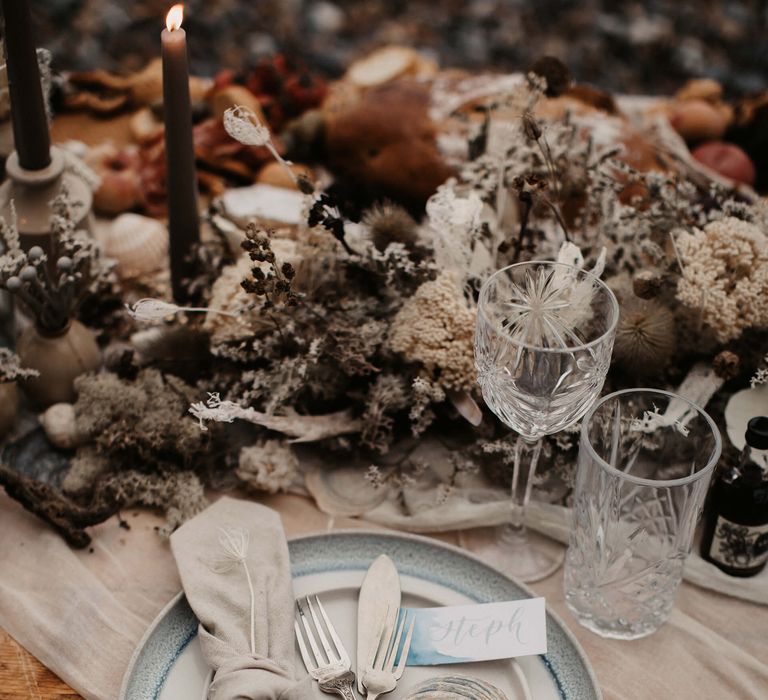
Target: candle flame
174,17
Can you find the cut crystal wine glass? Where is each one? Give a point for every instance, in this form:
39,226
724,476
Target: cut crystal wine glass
543,346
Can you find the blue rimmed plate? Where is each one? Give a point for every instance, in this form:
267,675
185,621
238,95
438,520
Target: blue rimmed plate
168,665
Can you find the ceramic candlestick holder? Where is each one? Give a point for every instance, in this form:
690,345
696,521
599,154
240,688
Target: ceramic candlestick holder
32,191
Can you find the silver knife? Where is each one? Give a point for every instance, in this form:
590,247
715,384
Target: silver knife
379,600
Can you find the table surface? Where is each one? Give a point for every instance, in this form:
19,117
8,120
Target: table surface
713,647
23,676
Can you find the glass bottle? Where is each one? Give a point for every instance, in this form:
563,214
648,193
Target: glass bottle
736,525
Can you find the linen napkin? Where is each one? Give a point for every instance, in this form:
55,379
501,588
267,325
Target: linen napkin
234,566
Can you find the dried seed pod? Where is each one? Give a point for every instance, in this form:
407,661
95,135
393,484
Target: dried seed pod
645,337
647,284
726,365
555,72
390,223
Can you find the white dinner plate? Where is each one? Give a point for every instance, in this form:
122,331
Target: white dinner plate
168,664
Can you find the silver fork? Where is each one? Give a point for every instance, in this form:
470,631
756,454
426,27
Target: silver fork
331,666
382,675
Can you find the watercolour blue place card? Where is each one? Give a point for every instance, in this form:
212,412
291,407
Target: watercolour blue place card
463,633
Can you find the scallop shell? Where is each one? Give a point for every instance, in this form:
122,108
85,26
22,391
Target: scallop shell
455,688
137,243
343,492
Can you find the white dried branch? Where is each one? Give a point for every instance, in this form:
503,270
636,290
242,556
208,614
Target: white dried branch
300,428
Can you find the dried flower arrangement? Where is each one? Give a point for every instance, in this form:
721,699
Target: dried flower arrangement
354,330
52,285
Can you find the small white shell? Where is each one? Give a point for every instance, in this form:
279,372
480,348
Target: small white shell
137,243
60,426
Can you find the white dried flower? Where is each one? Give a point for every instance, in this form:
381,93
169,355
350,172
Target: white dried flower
151,309
725,275
653,420
157,309
454,222
374,476
10,232
244,126
217,410
234,546
436,328
270,466
760,376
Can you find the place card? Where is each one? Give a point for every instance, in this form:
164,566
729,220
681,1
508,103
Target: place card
464,633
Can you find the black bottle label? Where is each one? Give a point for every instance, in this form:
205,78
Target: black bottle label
739,546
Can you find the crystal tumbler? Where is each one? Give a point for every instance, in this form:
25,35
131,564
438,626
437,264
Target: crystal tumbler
645,461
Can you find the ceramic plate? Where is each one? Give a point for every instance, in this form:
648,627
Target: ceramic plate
168,664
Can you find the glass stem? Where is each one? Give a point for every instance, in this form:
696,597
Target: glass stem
522,487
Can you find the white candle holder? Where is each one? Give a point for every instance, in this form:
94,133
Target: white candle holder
32,191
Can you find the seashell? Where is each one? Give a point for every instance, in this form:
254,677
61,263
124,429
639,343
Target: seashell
60,425
386,64
455,688
343,492
269,204
137,243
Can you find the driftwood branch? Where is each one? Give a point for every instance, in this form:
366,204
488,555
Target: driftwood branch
68,518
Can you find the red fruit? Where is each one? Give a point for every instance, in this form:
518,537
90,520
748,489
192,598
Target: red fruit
727,160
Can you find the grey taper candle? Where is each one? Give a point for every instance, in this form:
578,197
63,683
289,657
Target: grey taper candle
30,122
181,178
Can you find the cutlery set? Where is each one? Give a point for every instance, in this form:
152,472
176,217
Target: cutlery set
385,632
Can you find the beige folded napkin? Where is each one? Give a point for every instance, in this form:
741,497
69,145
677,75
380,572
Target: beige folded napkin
233,562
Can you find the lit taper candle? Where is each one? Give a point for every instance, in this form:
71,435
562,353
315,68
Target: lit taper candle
181,178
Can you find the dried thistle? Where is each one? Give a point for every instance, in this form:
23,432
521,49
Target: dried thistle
726,365
645,336
390,223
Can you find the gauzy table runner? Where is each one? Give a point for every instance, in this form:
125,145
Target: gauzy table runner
82,612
